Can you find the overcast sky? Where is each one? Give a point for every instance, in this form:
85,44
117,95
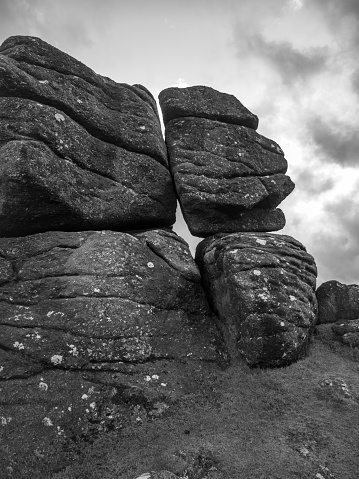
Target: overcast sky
294,63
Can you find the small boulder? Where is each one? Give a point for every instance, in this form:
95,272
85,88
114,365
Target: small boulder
262,287
347,332
205,102
337,302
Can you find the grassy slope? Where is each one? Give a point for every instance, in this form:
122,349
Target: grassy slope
264,424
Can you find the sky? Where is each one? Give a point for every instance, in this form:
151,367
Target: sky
294,63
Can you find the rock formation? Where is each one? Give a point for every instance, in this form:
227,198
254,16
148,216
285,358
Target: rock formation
262,287
228,177
103,315
337,302
93,159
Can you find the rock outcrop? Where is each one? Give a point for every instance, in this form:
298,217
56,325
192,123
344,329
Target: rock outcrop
77,150
262,287
93,324
104,321
337,302
228,177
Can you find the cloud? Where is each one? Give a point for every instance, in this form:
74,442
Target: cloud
336,249
335,141
63,25
314,182
290,63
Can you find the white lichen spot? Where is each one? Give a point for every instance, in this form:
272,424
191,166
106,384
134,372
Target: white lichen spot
59,117
263,296
155,376
47,421
84,396
261,241
18,345
1,368
164,384
43,386
92,405
73,350
256,272
56,359
96,290
50,313
5,420
147,378
282,323
150,264
142,127
292,298
79,101
44,82
69,408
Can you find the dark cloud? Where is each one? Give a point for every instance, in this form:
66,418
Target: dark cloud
337,251
290,63
313,182
337,13
336,141
339,9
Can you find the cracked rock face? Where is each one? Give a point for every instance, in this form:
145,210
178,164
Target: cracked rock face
94,322
262,287
93,159
228,177
337,302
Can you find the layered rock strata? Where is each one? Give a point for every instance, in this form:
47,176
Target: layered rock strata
262,287
93,324
77,150
228,177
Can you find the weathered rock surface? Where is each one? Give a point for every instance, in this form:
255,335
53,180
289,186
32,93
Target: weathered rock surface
228,177
205,102
348,332
337,302
92,326
93,159
262,287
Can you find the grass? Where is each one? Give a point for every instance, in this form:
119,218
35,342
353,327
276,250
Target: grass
301,421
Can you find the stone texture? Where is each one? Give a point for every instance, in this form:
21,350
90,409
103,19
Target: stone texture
205,102
228,177
96,327
337,302
348,332
262,286
61,177
93,159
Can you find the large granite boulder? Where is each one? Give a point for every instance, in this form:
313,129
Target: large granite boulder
93,327
337,302
262,286
228,177
77,150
